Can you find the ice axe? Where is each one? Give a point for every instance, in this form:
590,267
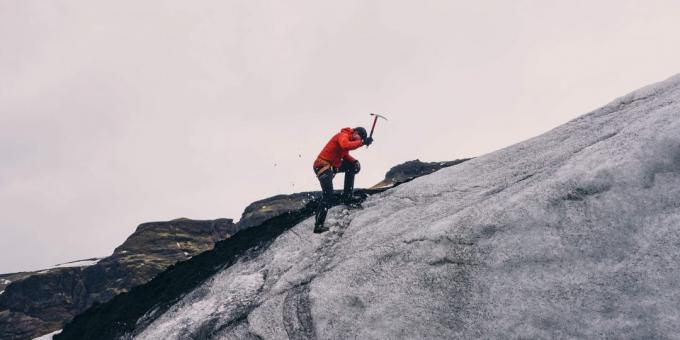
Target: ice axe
375,120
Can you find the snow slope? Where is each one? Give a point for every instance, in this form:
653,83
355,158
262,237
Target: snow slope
571,234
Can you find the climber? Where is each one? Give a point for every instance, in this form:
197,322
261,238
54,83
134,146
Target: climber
335,158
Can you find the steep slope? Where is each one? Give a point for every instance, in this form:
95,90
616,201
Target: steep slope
571,234
38,303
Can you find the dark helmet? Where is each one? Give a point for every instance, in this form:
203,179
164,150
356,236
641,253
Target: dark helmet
361,131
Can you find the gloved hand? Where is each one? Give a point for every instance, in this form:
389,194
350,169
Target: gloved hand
357,167
368,141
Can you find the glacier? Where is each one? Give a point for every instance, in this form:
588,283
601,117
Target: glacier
571,234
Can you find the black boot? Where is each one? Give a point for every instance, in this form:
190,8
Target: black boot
321,212
353,201
318,229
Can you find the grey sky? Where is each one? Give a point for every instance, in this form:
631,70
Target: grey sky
121,112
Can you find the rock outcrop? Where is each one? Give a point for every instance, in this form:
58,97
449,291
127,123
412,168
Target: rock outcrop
258,212
6,279
38,303
407,171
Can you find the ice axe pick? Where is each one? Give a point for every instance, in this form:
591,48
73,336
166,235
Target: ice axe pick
375,120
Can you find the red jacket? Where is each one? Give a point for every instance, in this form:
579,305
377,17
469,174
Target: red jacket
338,148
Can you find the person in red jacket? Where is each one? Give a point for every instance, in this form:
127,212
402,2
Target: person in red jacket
335,158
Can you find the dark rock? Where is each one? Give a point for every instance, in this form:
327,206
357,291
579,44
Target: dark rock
38,303
412,169
260,211
6,279
21,326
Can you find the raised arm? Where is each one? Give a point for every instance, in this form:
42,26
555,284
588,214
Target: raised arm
347,144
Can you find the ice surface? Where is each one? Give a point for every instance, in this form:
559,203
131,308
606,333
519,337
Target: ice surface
571,234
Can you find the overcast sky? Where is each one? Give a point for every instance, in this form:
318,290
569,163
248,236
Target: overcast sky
115,113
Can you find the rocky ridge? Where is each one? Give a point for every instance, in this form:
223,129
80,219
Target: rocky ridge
37,303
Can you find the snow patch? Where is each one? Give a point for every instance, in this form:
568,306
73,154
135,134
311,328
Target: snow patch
5,281
221,297
79,263
48,336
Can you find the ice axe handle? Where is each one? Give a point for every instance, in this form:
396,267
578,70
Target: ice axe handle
375,120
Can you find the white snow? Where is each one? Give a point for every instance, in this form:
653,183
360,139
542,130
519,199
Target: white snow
571,234
5,281
48,336
1,291
80,263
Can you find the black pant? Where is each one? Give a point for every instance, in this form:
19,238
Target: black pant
326,181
